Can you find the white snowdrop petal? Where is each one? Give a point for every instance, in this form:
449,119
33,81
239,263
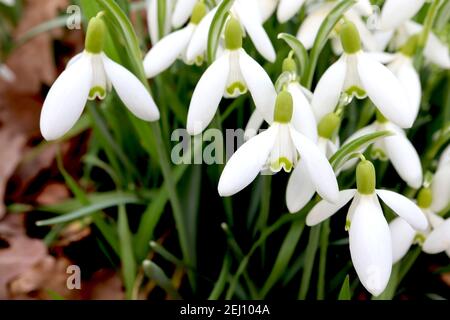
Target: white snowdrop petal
363,7
259,84
437,52
303,118
409,78
308,30
404,208
207,95
370,245
440,187
324,209
402,236
251,20
385,91
395,12
182,12
247,162
439,239
287,9
253,125
199,41
152,20
329,88
66,99
131,91
319,169
166,51
299,189
404,158
381,57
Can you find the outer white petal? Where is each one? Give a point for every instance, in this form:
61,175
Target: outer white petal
382,57
300,189
247,162
66,99
405,208
165,52
370,245
182,12
253,125
207,95
259,84
287,9
440,186
324,209
404,157
152,20
385,91
303,118
409,78
319,169
74,59
439,239
328,90
311,25
267,8
445,156
437,52
131,91
395,12
251,20
363,7
402,236
199,41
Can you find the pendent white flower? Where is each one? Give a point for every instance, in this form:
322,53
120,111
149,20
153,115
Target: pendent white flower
369,235
88,76
231,75
357,74
164,53
396,12
152,19
279,147
395,148
286,9
182,11
440,184
8,2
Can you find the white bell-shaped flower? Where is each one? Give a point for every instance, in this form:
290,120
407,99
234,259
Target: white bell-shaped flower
279,147
231,75
152,19
395,148
358,74
396,12
369,235
164,53
309,28
438,240
441,182
286,9
182,11
300,188
88,76
8,2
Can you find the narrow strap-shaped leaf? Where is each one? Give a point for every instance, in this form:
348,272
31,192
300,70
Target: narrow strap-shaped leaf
344,293
216,28
126,251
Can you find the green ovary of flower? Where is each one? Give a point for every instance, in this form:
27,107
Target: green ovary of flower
328,125
289,65
198,13
425,198
233,35
95,35
350,39
283,107
365,177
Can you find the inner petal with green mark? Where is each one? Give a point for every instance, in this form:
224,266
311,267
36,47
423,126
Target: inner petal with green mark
236,89
97,92
284,154
235,84
378,153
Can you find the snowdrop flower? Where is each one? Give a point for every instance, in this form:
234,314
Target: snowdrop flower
88,76
231,75
396,12
8,2
358,74
286,8
6,73
300,188
152,19
369,235
164,53
279,147
438,240
183,10
302,117
440,184
396,148
311,25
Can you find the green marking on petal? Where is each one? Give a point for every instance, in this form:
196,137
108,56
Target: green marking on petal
281,163
199,60
236,88
419,238
347,224
97,92
355,91
377,153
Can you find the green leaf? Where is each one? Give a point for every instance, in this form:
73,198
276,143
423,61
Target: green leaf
310,256
85,211
284,256
154,272
299,50
349,149
345,293
221,282
126,251
322,37
216,28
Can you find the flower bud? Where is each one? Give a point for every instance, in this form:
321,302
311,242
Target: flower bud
283,107
95,35
198,12
425,198
365,177
350,39
328,125
233,34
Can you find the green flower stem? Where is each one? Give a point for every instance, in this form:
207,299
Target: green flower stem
311,249
324,237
